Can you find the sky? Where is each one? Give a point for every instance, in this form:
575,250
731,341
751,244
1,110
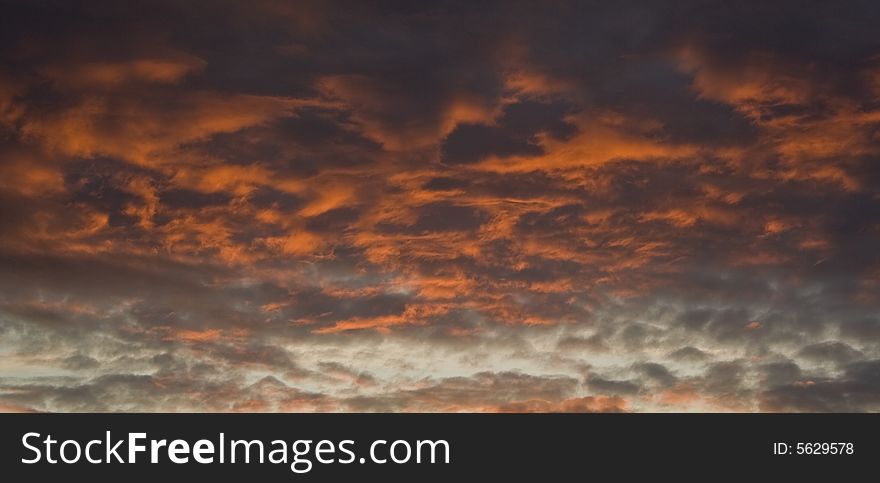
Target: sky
440,206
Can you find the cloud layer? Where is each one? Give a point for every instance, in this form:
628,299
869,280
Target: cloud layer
454,206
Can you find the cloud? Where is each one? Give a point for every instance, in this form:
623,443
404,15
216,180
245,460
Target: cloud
856,391
452,207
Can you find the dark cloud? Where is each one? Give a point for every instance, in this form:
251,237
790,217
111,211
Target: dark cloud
658,373
594,343
608,386
513,133
830,351
856,391
724,378
780,373
689,354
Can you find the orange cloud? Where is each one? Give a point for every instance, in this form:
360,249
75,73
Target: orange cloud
29,177
11,408
413,314
601,139
147,133
206,335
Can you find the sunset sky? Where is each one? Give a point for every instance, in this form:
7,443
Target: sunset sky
439,206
